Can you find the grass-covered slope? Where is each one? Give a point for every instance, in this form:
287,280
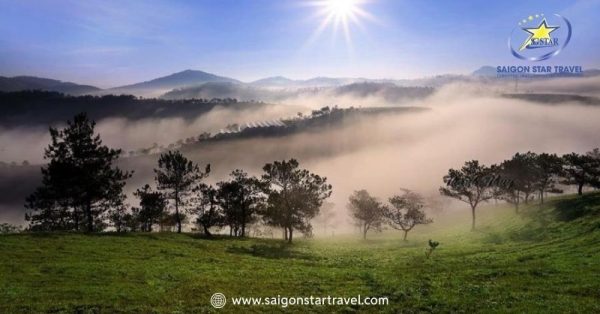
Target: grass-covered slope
546,259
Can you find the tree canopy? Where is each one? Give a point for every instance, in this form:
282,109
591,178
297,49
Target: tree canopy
176,175
470,184
80,181
367,211
295,196
406,212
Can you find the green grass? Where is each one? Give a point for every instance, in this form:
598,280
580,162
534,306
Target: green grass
546,259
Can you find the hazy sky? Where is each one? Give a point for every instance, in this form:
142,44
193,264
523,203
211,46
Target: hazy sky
109,43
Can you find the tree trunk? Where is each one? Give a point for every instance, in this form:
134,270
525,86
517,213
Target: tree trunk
365,229
405,234
76,217
177,217
243,231
542,197
206,232
291,235
285,233
473,216
90,219
580,189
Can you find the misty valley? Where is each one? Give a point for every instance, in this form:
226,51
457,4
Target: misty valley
380,165
293,156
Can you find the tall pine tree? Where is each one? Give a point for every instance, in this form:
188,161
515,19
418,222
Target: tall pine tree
80,181
176,175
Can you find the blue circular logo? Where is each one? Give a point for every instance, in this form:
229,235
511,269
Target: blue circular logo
539,37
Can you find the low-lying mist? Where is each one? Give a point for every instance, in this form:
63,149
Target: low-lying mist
381,154
28,142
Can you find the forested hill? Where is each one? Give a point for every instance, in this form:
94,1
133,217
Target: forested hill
553,99
43,107
21,83
318,120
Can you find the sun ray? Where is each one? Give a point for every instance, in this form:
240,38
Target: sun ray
339,15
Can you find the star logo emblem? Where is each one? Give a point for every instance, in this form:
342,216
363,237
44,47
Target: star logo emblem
540,33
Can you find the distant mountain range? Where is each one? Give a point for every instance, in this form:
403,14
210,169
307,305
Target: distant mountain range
193,83
19,83
164,84
275,81
485,70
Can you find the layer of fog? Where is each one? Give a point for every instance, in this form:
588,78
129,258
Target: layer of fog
28,143
382,155
415,150
585,86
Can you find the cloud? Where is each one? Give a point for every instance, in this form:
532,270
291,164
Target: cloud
381,154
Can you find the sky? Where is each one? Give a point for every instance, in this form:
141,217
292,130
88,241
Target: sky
111,43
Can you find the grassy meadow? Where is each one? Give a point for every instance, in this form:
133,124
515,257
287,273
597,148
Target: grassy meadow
545,259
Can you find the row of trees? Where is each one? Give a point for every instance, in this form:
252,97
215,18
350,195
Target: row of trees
404,212
519,179
82,189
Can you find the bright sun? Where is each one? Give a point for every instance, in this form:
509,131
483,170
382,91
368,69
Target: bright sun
342,8
340,14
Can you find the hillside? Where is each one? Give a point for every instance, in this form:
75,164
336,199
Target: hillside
160,85
554,99
30,108
22,83
542,261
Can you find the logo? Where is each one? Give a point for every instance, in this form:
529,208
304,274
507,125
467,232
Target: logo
539,37
218,300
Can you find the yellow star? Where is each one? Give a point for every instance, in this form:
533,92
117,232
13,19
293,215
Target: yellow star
541,32
530,17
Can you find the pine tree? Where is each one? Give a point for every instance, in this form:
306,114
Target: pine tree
295,196
80,181
581,170
177,175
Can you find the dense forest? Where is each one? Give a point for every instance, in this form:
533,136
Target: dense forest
43,107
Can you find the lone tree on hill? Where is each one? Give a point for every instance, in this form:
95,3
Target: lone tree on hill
470,184
406,212
176,174
366,211
294,196
582,170
80,181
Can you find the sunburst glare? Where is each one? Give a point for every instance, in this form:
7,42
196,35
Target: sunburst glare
338,14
